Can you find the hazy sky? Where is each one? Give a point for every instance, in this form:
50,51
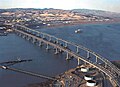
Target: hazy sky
109,5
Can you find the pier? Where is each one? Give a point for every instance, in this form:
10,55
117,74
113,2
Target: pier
27,72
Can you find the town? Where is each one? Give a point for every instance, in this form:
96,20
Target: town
46,17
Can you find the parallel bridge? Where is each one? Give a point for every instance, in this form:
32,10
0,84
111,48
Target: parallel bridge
72,50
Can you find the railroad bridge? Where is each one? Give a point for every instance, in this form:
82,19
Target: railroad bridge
71,50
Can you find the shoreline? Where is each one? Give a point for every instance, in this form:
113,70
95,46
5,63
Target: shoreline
80,22
49,83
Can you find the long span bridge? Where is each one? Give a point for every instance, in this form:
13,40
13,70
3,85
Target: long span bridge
72,50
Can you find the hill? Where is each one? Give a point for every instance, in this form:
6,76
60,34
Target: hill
97,12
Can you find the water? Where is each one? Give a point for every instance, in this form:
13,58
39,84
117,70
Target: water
101,38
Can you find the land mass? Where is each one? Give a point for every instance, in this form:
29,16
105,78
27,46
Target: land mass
37,18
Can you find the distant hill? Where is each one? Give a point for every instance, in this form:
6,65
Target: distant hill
97,12
16,9
80,11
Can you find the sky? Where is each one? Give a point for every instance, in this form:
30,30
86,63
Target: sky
107,5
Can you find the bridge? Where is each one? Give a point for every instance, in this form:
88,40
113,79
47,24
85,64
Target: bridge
71,50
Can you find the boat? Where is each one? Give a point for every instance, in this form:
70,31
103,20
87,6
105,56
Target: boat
78,31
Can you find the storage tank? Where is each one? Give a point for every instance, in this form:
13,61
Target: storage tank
84,69
88,77
91,83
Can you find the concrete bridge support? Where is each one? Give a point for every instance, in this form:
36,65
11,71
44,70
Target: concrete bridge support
96,59
19,34
47,48
56,41
50,38
78,60
66,44
77,49
68,57
40,43
28,38
43,36
88,55
23,36
33,40
56,51
60,51
38,34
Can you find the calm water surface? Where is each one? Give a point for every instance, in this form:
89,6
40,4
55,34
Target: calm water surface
101,38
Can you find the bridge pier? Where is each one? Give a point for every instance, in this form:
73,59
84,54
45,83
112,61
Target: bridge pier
17,33
78,60
57,41
61,51
20,34
96,59
105,65
67,56
33,40
88,55
40,43
23,36
56,51
50,38
66,44
28,38
38,34
47,48
77,49
43,36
